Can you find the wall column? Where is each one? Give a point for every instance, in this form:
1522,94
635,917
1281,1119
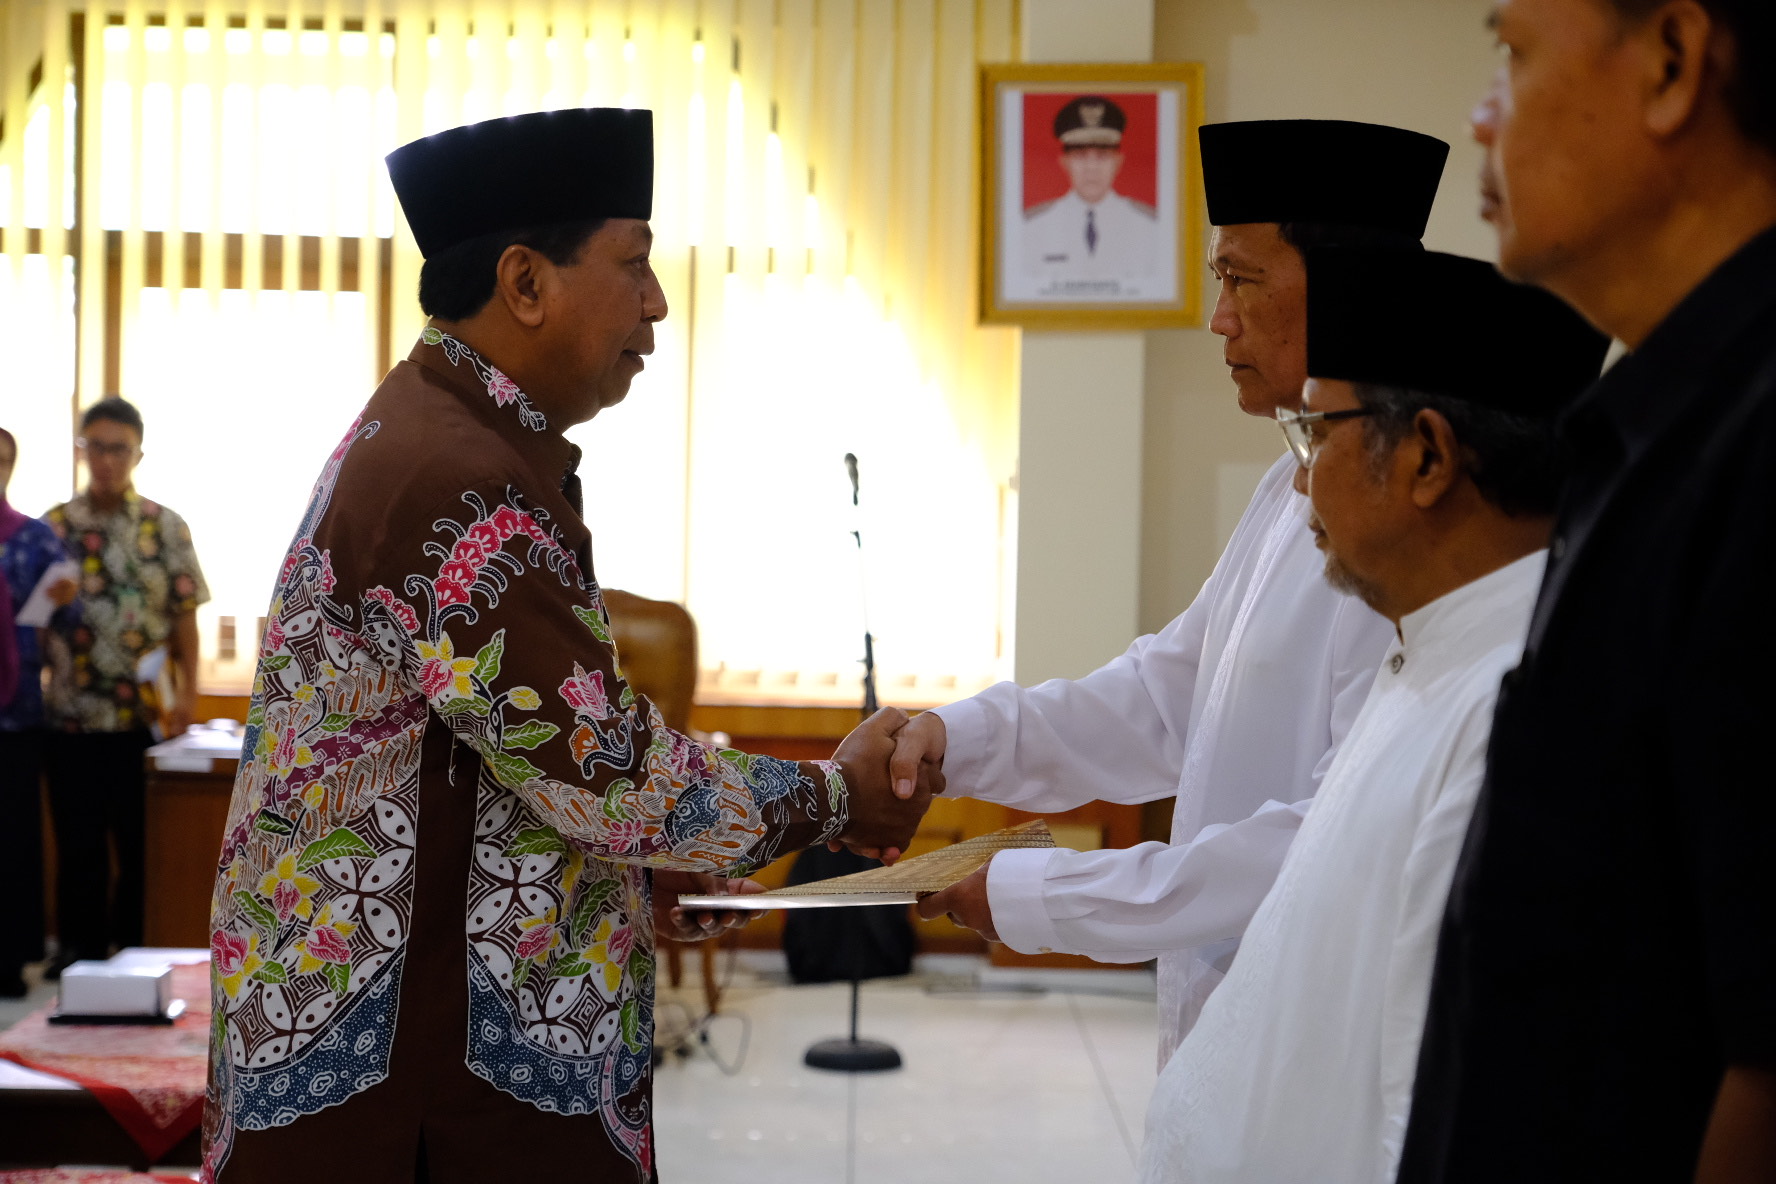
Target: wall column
1079,426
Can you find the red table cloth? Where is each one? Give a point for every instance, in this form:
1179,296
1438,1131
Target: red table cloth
149,1078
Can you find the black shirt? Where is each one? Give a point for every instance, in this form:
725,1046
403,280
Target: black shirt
1610,941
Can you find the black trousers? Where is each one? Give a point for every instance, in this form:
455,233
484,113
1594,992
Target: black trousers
98,788
21,849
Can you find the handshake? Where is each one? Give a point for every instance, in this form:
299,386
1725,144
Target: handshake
894,766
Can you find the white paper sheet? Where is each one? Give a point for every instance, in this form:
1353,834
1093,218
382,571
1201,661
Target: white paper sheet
759,902
37,608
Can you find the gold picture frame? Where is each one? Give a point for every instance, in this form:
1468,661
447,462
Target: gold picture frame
1036,268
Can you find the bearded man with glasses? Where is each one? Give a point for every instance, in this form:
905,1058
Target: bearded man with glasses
1432,473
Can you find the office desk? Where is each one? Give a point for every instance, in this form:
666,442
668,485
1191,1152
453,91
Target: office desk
190,782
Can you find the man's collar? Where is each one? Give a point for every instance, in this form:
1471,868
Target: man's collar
497,399
1649,389
1480,609
130,500
1074,197
501,389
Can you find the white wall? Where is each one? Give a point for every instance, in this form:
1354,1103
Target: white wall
1078,586
1420,64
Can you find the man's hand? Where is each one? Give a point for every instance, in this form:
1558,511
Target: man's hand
182,652
966,903
62,592
672,921
881,823
177,718
918,755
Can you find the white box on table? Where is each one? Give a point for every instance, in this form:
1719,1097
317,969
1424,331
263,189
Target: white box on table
102,988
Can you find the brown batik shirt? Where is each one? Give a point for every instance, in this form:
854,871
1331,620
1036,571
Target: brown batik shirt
434,882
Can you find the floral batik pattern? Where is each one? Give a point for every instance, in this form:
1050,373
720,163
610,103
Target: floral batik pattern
488,622
24,558
501,389
138,572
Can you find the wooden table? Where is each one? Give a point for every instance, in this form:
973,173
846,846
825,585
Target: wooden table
155,1075
47,1120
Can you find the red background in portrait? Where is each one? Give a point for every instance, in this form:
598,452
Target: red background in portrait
1045,179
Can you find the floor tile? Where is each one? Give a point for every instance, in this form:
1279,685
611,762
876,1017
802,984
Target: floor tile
999,1082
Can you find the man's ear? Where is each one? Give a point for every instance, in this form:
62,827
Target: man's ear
519,282
1438,456
1681,46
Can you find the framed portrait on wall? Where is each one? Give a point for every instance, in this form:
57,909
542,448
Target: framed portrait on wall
1091,196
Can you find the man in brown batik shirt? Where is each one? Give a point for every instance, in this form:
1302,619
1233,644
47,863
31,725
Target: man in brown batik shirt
455,825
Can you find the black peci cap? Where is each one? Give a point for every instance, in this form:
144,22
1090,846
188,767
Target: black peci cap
1321,170
1445,325
1090,121
525,170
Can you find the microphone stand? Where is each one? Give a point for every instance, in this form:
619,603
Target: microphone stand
853,1054
870,705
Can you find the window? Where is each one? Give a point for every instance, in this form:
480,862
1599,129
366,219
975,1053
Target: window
814,220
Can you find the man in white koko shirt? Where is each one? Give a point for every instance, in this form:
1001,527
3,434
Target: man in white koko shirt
1238,705
1430,461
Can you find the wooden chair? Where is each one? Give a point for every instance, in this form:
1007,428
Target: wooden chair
657,647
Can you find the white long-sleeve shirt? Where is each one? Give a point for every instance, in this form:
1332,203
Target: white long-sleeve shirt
1236,707
1300,1068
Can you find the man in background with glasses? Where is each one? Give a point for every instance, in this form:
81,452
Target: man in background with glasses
1428,456
139,588
1237,706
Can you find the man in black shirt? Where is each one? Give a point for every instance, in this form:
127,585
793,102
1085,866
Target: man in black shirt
1604,1006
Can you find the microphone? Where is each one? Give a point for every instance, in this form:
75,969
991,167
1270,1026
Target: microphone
851,468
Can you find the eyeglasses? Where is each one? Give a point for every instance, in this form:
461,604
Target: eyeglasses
1298,429
93,448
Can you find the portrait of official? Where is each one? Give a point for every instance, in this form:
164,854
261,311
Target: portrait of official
1090,206
1092,232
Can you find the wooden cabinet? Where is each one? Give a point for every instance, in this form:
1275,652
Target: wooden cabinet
187,812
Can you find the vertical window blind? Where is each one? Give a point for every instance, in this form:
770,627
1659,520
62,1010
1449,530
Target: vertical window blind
229,256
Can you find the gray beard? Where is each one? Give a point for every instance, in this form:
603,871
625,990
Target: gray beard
1343,579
